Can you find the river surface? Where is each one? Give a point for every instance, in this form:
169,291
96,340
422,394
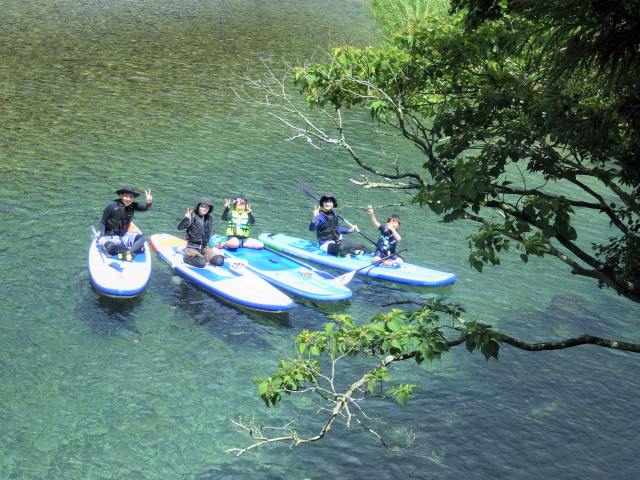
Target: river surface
94,95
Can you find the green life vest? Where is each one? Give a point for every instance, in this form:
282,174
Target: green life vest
238,225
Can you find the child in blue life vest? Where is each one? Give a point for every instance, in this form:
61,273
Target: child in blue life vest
325,222
388,240
115,237
239,221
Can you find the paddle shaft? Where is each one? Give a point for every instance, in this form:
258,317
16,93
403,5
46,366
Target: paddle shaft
319,272
382,259
347,277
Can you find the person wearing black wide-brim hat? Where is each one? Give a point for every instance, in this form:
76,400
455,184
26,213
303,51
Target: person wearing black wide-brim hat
326,197
197,223
115,236
326,223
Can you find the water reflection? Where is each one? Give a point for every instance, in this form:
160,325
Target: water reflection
205,307
109,316
235,326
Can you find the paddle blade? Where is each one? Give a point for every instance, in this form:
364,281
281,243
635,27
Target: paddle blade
304,188
344,279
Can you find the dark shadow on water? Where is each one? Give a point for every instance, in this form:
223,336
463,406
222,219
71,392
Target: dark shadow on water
326,308
567,315
205,307
233,324
109,316
237,325
386,295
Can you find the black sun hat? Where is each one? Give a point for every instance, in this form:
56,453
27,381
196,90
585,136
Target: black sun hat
127,189
205,201
329,196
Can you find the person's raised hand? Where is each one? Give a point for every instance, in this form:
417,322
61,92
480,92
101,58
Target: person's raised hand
227,203
147,195
188,213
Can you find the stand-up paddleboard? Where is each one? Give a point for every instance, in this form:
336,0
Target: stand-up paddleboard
287,273
119,278
232,281
408,273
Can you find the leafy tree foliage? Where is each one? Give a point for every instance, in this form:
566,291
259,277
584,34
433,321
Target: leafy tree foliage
527,109
370,350
511,109
394,15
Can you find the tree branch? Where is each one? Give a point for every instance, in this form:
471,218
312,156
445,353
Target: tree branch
571,342
341,403
366,183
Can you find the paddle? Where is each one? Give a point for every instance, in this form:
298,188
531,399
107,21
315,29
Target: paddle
96,236
309,193
321,273
347,277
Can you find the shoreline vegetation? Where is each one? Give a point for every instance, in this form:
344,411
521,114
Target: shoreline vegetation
482,94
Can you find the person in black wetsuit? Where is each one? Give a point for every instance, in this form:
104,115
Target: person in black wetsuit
197,223
115,237
325,222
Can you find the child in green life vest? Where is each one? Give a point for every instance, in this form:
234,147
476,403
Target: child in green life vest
239,221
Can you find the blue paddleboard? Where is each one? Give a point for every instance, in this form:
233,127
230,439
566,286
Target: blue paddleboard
118,278
231,281
308,250
287,273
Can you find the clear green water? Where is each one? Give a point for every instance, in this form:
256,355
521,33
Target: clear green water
96,94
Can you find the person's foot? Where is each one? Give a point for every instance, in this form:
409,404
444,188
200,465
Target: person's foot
126,256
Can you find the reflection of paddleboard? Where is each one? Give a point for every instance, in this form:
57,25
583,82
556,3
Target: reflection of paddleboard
408,273
119,278
231,281
286,273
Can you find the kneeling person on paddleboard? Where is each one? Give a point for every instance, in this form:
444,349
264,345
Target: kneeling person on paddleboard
388,241
239,221
197,223
115,237
325,222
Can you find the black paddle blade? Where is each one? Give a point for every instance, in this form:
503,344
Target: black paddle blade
304,188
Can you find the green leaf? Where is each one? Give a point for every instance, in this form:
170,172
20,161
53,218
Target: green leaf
490,349
371,385
395,325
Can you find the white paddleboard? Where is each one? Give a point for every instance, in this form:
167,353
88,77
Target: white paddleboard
231,281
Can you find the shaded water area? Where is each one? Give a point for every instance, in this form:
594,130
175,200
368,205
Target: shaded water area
97,94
